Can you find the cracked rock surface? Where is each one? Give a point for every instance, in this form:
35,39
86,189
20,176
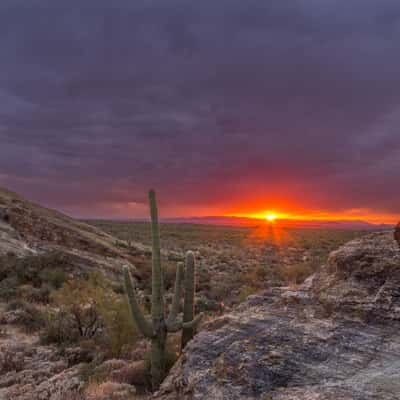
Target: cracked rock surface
336,337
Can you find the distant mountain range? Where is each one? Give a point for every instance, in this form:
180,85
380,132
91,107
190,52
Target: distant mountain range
289,223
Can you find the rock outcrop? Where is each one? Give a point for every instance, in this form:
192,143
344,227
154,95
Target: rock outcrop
31,371
336,337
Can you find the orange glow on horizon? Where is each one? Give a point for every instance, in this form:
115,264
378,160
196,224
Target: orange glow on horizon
346,215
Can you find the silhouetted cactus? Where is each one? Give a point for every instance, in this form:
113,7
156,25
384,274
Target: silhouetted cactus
158,327
397,233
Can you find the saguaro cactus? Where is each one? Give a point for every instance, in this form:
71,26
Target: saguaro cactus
190,288
158,327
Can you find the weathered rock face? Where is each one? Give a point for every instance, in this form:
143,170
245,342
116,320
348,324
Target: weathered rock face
335,338
397,233
32,372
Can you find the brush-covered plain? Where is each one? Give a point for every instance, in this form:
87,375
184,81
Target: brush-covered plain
234,262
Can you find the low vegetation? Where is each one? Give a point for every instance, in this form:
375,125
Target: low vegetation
32,278
234,262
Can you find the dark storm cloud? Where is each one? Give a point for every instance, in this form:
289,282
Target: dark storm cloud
202,100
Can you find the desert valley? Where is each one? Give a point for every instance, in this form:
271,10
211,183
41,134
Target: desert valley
311,315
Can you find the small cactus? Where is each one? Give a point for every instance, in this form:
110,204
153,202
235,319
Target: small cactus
158,327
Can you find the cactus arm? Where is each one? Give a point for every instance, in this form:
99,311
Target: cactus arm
190,284
177,325
137,315
157,306
174,326
176,301
193,323
188,307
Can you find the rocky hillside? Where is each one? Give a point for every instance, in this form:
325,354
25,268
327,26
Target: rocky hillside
29,229
334,338
32,237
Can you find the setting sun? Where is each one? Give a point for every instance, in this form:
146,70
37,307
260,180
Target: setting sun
271,217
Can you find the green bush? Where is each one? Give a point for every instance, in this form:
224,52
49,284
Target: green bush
32,277
8,288
55,277
89,309
78,300
44,268
120,330
29,317
58,328
33,294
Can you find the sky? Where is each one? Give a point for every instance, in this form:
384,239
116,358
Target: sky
224,107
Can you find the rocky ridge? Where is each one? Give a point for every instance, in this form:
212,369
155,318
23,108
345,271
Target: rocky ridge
334,338
29,229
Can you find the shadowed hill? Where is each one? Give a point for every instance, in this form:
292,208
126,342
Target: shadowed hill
28,229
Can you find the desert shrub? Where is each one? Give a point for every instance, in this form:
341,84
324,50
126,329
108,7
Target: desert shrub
120,330
69,395
15,304
110,390
255,277
55,277
203,304
27,315
221,289
88,372
58,328
169,273
85,309
39,269
135,373
32,294
203,278
10,361
8,288
295,273
246,292
32,277
262,272
77,301
7,263
122,245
